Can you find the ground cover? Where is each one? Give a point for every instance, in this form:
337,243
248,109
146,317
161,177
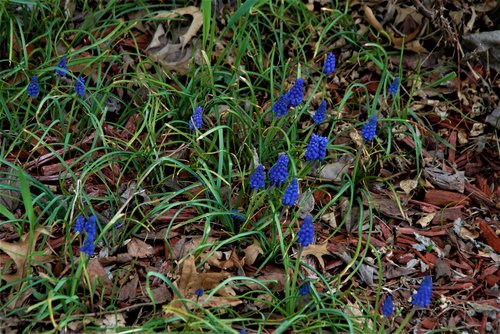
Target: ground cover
257,166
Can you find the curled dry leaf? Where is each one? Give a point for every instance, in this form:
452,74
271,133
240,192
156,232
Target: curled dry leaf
251,253
113,320
275,279
195,24
408,185
425,220
305,203
318,251
19,252
97,273
333,171
176,56
138,248
190,279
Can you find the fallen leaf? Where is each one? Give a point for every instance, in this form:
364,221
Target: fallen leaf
97,274
389,207
330,219
187,244
217,301
275,279
425,220
138,248
464,232
19,252
318,251
195,24
251,253
161,294
305,204
333,171
165,49
408,185
232,262
190,279
129,290
113,320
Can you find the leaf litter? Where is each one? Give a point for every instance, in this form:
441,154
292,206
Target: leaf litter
445,220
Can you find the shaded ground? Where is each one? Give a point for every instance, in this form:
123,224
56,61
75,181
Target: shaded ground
424,197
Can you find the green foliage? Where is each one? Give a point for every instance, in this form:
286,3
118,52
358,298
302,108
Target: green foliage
266,45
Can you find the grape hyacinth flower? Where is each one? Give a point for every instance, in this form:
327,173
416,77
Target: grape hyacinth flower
79,224
369,130
88,226
296,93
33,87
320,114
422,298
237,216
305,288
257,179
316,148
279,172
80,86
306,232
291,194
388,307
330,62
199,292
238,219
196,120
394,86
62,67
281,106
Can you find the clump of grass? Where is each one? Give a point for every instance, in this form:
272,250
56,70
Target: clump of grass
256,111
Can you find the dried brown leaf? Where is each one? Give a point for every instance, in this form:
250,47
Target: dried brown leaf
318,251
19,252
138,248
251,253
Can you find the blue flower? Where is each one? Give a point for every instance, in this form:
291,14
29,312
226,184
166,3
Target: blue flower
306,232
33,87
80,86
257,179
196,120
369,130
89,226
80,224
316,148
422,297
238,219
243,331
305,288
281,106
279,172
88,246
330,63
237,216
388,307
320,114
199,292
62,67
394,86
291,194
296,93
